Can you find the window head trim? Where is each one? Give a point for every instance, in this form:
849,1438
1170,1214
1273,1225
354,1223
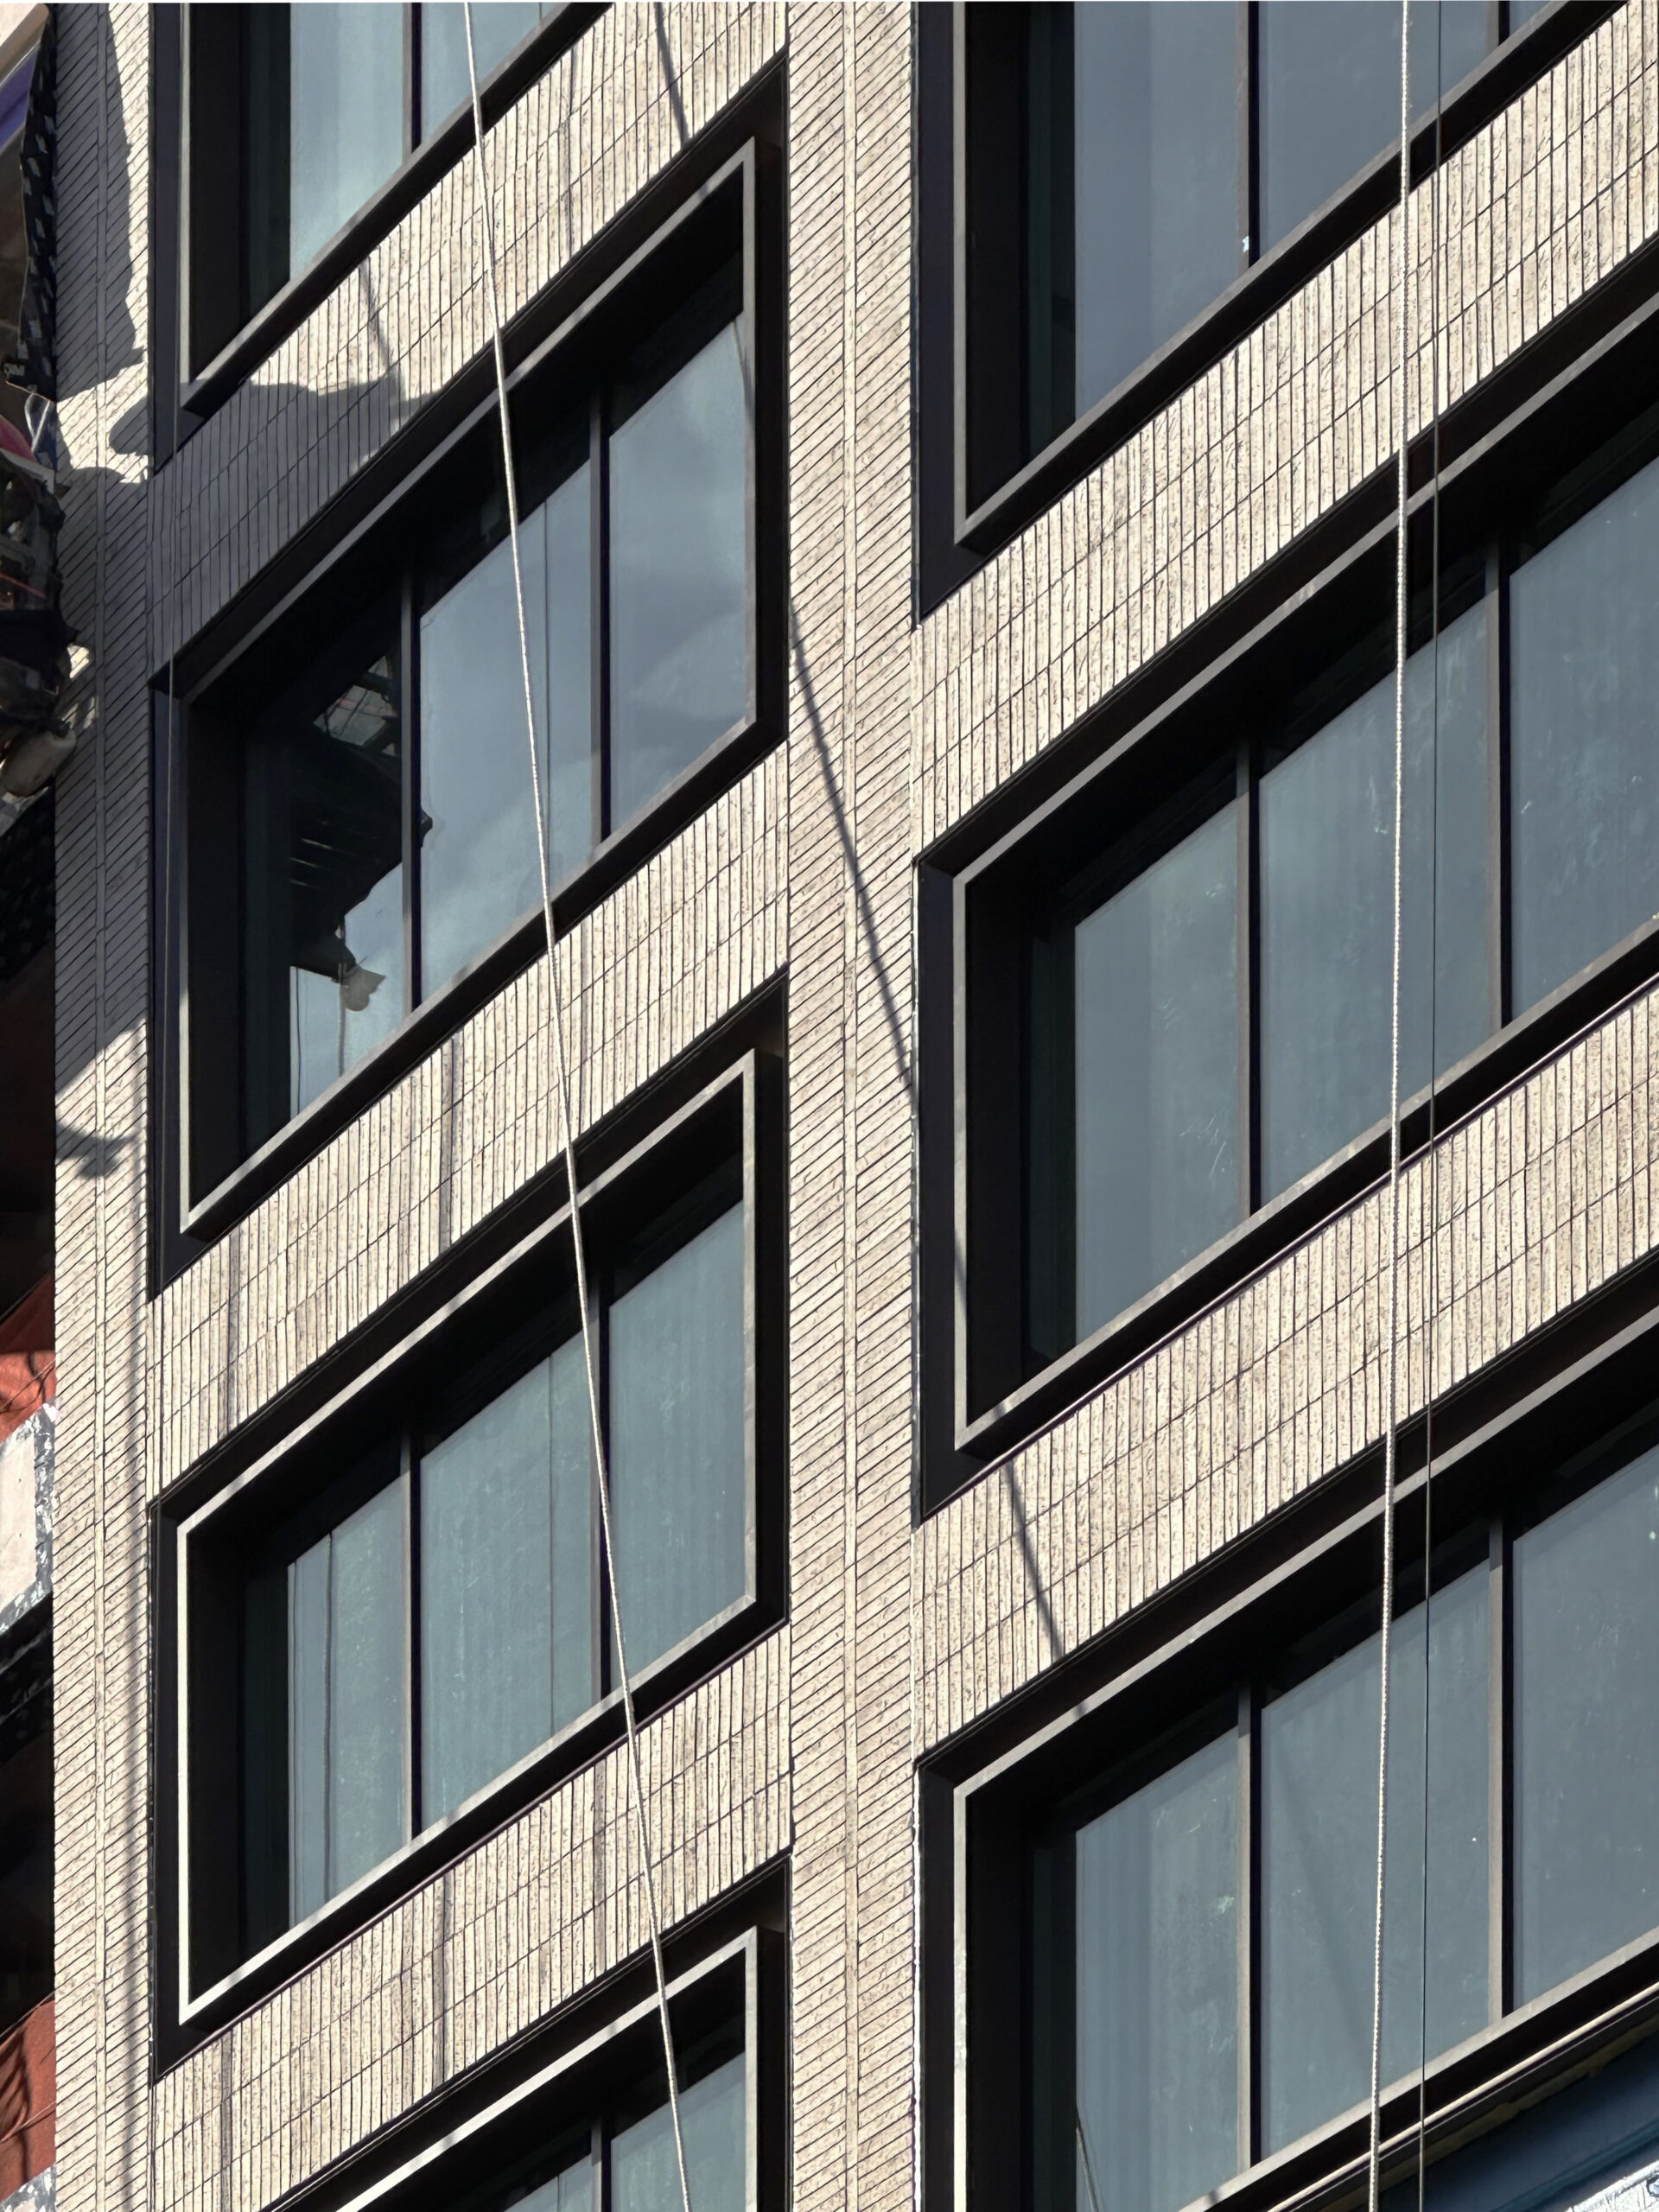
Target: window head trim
738,1114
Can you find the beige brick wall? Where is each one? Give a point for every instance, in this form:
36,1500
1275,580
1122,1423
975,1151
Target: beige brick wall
898,1636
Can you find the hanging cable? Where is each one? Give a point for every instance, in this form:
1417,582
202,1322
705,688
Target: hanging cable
601,1480
1389,1363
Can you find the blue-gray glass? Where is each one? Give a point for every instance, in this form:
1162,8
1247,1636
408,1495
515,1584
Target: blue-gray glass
714,2124
506,1602
348,1717
498,26
1584,739
1327,907
678,1408
345,115
1586,1729
1156,1057
344,887
1330,91
570,2190
1157,1990
1154,213
480,870
679,573
1319,1863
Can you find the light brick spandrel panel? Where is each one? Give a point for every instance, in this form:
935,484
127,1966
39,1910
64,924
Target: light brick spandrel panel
683,943
1533,1204
1551,197
582,144
519,1927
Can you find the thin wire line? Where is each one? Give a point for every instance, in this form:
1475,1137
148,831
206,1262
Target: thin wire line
1390,1424
601,1480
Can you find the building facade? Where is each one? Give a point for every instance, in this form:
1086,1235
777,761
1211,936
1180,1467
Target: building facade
956,454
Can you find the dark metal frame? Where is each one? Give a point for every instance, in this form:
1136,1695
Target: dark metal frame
979,1395
976,492
211,1527
984,1798
594,2056
736,207
181,402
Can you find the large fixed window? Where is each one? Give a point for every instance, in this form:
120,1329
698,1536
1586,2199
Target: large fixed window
360,827
1202,984
420,1603
1124,165
1200,1913
296,117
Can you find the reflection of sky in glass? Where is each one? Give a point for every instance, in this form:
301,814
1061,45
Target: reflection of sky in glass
345,116
497,29
679,574
334,1023
714,2125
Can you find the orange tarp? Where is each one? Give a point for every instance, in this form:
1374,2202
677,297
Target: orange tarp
29,1368
28,2098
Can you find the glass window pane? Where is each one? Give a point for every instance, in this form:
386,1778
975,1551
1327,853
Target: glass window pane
714,2124
506,1616
1319,1863
1586,1729
479,872
1157,1072
1584,663
678,1392
326,917
1327,907
1330,91
1157,1990
679,573
345,115
498,26
1155,213
347,1701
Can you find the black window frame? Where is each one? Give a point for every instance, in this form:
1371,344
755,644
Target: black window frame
1162,735
1174,1668
181,402
735,210
600,2053
211,1529
971,501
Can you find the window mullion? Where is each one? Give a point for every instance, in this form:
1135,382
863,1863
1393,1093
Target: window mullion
602,1564
1249,192
599,602
1249,1921
412,78
1497,755
409,706
1500,1737
1249,1087
413,1817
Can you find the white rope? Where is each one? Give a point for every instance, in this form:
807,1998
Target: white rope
1390,1410
601,1480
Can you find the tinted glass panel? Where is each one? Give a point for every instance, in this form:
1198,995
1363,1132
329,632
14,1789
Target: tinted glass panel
1157,1072
1584,657
1327,907
1319,1863
1330,91
506,1618
497,29
678,1386
679,573
714,2124
345,115
1586,1729
325,920
347,1723
479,871
1157,1990
1154,192
26,1867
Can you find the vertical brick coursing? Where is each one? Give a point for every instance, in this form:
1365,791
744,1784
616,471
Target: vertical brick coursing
898,1636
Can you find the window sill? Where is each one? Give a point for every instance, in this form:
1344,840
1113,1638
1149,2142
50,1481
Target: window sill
427,1026
982,527
202,395
1499,1065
